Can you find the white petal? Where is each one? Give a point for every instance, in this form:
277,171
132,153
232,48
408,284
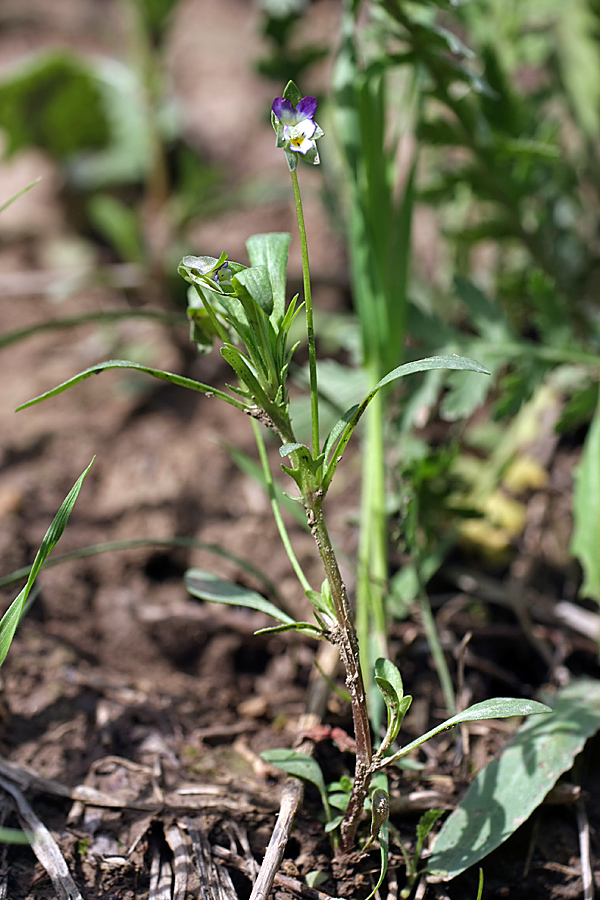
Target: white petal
302,146
306,127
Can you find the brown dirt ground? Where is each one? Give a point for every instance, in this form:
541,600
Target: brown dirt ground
119,681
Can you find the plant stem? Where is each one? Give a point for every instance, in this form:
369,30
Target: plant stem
372,572
312,356
437,652
283,534
344,635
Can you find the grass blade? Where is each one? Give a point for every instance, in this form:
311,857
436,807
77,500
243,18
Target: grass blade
178,380
12,616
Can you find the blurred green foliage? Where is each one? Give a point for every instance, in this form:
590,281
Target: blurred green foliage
53,101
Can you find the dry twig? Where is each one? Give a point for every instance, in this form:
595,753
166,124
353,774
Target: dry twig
44,846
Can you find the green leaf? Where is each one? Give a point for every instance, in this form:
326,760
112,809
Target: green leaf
113,546
119,223
465,393
52,100
178,380
156,15
12,616
115,315
480,886
322,602
292,93
307,628
130,151
586,511
419,365
389,682
11,200
337,430
389,676
14,836
505,792
497,708
288,449
426,823
453,361
301,766
384,846
242,367
577,50
207,586
254,284
271,251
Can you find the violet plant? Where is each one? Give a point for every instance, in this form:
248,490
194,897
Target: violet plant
245,309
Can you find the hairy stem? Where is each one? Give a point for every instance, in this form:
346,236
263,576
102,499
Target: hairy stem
345,637
283,534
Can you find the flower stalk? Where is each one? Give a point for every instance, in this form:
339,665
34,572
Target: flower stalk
310,328
296,133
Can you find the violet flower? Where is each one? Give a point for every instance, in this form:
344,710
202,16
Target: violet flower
300,131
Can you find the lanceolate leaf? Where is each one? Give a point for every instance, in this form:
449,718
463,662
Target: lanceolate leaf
498,708
302,766
207,586
505,793
418,365
306,628
179,380
11,617
389,682
384,845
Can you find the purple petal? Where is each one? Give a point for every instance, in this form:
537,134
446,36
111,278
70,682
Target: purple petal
306,108
283,109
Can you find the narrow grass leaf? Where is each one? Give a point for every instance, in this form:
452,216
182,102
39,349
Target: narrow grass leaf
12,616
157,315
111,546
14,836
505,793
207,586
16,196
178,380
